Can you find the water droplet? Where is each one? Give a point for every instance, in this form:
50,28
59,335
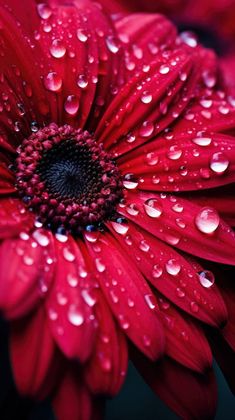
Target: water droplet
153,208
120,227
61,237
147,129
99,265
219,163
44,10
90,300
28,260
40,237
132,209
81,35
112,44
75,316
202,141
146,97
71,104
144,246
164,69
130,181
130,138
173,267
206,278
150,300
207,220
82,81
157,271
72,280
105,363
61,299
178,208
180,293
152,158
123,322
68,255
174,153
53,82
189,38
57,48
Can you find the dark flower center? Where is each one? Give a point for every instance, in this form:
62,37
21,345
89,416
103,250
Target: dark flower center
67,178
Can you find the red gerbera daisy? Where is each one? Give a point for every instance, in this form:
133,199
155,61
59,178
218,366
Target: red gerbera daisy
109,135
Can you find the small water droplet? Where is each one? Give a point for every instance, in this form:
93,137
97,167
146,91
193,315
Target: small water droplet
146,129
202,141
157,271
152,158
81,35
174,153
68,254
100,265
121,226
112,44
40,237
150,300
44,11
189,38
82,81
194,307
144,246
164,69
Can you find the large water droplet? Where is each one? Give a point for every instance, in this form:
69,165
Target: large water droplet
207,220
174,153
57,48
44,10
53,82
121,226
219,163
146,97
71,104
130,181
40,237
147,129
164,69
202,141
206,278
153,208
173,267
75,316
152,158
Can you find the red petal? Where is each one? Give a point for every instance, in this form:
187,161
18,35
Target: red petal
185,340
106,370
128,295
69,304
65,40
130,117
14,218
185,163
74,401
33,355
189,395
6,181
178,222
219,117
24,273
173,276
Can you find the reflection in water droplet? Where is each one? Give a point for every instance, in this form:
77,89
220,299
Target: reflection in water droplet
206,278
219,163
153,208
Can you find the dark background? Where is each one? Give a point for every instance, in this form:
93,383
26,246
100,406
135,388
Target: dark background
136,400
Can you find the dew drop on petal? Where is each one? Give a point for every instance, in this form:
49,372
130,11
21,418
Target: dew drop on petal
157,271
81,35
219,163
144,246
174,153
146,97
100,265
189,38
44,10
53,82
71,104
75,317
150,300
206,278
146,129
82,81
68,255
120,227
151,158
202,141
57,48
40,238
153,208
194,307
207,220
164,69
173,267
112,44
130,181
72,280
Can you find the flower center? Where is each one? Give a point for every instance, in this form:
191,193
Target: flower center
67,178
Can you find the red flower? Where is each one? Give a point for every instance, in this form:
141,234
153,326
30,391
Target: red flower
212,21
109,136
